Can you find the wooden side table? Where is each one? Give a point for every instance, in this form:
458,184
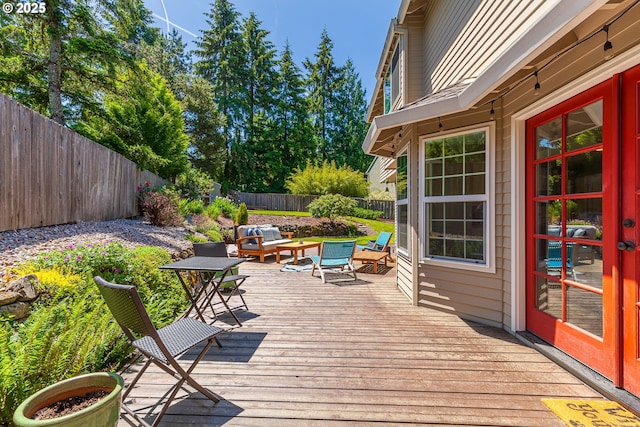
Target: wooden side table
294,248
371,257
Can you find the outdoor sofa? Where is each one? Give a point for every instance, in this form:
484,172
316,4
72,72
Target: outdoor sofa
260,240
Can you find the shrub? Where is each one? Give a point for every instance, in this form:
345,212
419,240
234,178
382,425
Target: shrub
195,238
70,331
242,216
228,236
222,206
327,179
381,195
214,235
331,206
159,209
359,212
194,183
189,206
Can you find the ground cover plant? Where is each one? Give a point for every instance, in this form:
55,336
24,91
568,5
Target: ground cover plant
70,331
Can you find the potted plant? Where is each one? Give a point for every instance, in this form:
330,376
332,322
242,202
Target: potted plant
102,413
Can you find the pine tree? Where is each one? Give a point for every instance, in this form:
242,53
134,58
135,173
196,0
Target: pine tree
322,80
61,62
350,127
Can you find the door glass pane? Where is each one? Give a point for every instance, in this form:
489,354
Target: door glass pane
584,310
548,138
542,255
584,126
549,178
548,217
549,296
585,225
584,173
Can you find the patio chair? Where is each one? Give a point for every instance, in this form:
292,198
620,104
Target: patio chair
381,244
333,255
554,259
160,346
231,282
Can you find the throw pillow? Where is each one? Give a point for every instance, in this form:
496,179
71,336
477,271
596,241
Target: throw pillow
269,235
252,232
579,232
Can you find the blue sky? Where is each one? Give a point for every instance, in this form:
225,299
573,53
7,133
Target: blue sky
357,27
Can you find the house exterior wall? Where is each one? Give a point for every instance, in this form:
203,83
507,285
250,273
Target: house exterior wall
462,38
487,297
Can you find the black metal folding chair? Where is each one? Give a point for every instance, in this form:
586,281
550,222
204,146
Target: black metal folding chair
160,346
231,282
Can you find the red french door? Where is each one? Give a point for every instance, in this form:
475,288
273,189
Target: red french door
630,230
583,208
571,200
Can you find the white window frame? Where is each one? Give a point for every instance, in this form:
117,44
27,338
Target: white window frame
394,102
489,266
404,202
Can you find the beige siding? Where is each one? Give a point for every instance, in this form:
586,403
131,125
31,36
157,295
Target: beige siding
414,50
464,46
469,294
404,276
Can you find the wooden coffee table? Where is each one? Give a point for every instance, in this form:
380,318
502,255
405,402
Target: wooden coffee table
294,248
371,257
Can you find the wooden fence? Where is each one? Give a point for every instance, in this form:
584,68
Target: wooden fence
298,202
51,175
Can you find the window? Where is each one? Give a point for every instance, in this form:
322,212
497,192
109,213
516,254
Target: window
456,197
392,82
402,203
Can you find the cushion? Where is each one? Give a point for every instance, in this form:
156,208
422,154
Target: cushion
570,232
270,233
579,232
252,232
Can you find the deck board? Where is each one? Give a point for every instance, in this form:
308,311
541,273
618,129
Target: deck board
358,353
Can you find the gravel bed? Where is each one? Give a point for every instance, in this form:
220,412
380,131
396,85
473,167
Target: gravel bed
20,245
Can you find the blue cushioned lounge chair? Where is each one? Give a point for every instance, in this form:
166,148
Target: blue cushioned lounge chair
334,255
381,244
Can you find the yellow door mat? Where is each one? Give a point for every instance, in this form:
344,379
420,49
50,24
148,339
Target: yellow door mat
592,413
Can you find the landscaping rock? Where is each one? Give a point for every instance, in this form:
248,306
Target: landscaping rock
25,287
19,310
8,297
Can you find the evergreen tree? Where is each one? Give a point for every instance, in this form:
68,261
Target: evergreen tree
144,124
291,125
322,81
250,155
350,128
62,61
205,126
223,64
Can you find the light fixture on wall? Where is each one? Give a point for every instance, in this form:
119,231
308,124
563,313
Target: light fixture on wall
536,87
492,113
608,46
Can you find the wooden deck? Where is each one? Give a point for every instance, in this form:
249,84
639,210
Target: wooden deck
358,354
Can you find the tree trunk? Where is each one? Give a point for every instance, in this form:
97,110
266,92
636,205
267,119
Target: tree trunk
55,74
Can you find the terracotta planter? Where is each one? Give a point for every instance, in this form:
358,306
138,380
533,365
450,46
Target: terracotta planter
104,413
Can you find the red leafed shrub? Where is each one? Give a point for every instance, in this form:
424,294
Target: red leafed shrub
159,209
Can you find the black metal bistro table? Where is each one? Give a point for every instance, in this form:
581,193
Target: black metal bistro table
210,265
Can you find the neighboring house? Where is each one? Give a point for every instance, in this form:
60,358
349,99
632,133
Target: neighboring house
381,175
515,129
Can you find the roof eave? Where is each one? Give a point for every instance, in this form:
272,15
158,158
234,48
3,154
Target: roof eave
561,19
